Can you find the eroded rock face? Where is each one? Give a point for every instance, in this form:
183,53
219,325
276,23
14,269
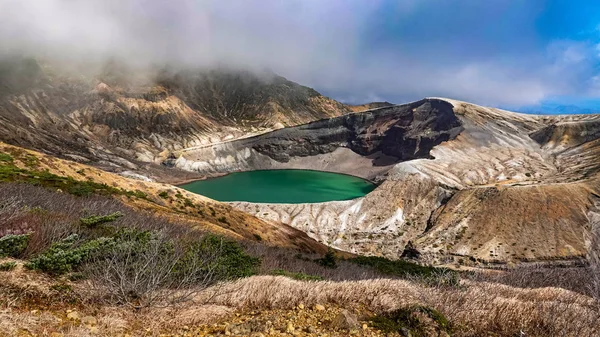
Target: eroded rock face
388,135
403,132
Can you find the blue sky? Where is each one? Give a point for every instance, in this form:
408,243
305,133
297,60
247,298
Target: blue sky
520,54
513,54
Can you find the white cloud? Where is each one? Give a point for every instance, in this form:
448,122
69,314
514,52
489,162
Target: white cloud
313,42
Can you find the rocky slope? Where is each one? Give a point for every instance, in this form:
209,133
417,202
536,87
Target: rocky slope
120,118
383,136
462,183
368,106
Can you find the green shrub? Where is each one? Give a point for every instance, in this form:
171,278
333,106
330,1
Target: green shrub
30,161
444,278
140,194
13,245
64,256
95,220
5,157
329,260
11,173
296,276
395,267
187,202
81,190
8,266
417,321
164,194
232,261
258,237
137,193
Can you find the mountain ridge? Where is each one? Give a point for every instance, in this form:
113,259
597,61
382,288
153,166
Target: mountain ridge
122,120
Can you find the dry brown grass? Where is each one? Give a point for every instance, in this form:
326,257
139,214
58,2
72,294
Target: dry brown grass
276,258
111,321
574,278
477,308
29,305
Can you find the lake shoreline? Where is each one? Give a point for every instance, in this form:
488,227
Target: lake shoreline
179,183
282,186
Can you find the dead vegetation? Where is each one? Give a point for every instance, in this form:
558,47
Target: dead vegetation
472,309
476,308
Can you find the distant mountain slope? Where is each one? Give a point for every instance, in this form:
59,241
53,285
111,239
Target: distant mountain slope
122,117
242,98
368,106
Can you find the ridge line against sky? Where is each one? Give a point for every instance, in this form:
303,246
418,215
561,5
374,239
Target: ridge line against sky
522,53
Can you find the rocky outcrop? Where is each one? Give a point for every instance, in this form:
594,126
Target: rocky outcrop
385,136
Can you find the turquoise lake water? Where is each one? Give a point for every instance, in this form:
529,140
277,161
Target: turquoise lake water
282,186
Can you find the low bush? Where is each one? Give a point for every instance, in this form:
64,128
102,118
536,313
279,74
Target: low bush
188,203
144,268
5,157
328,260
140,194
440,278
95,220
68,254
395,267
296,276
234,261
10,209
11,173
417,321
8,266
13,245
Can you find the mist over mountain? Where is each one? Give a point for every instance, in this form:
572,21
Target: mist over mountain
352,51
